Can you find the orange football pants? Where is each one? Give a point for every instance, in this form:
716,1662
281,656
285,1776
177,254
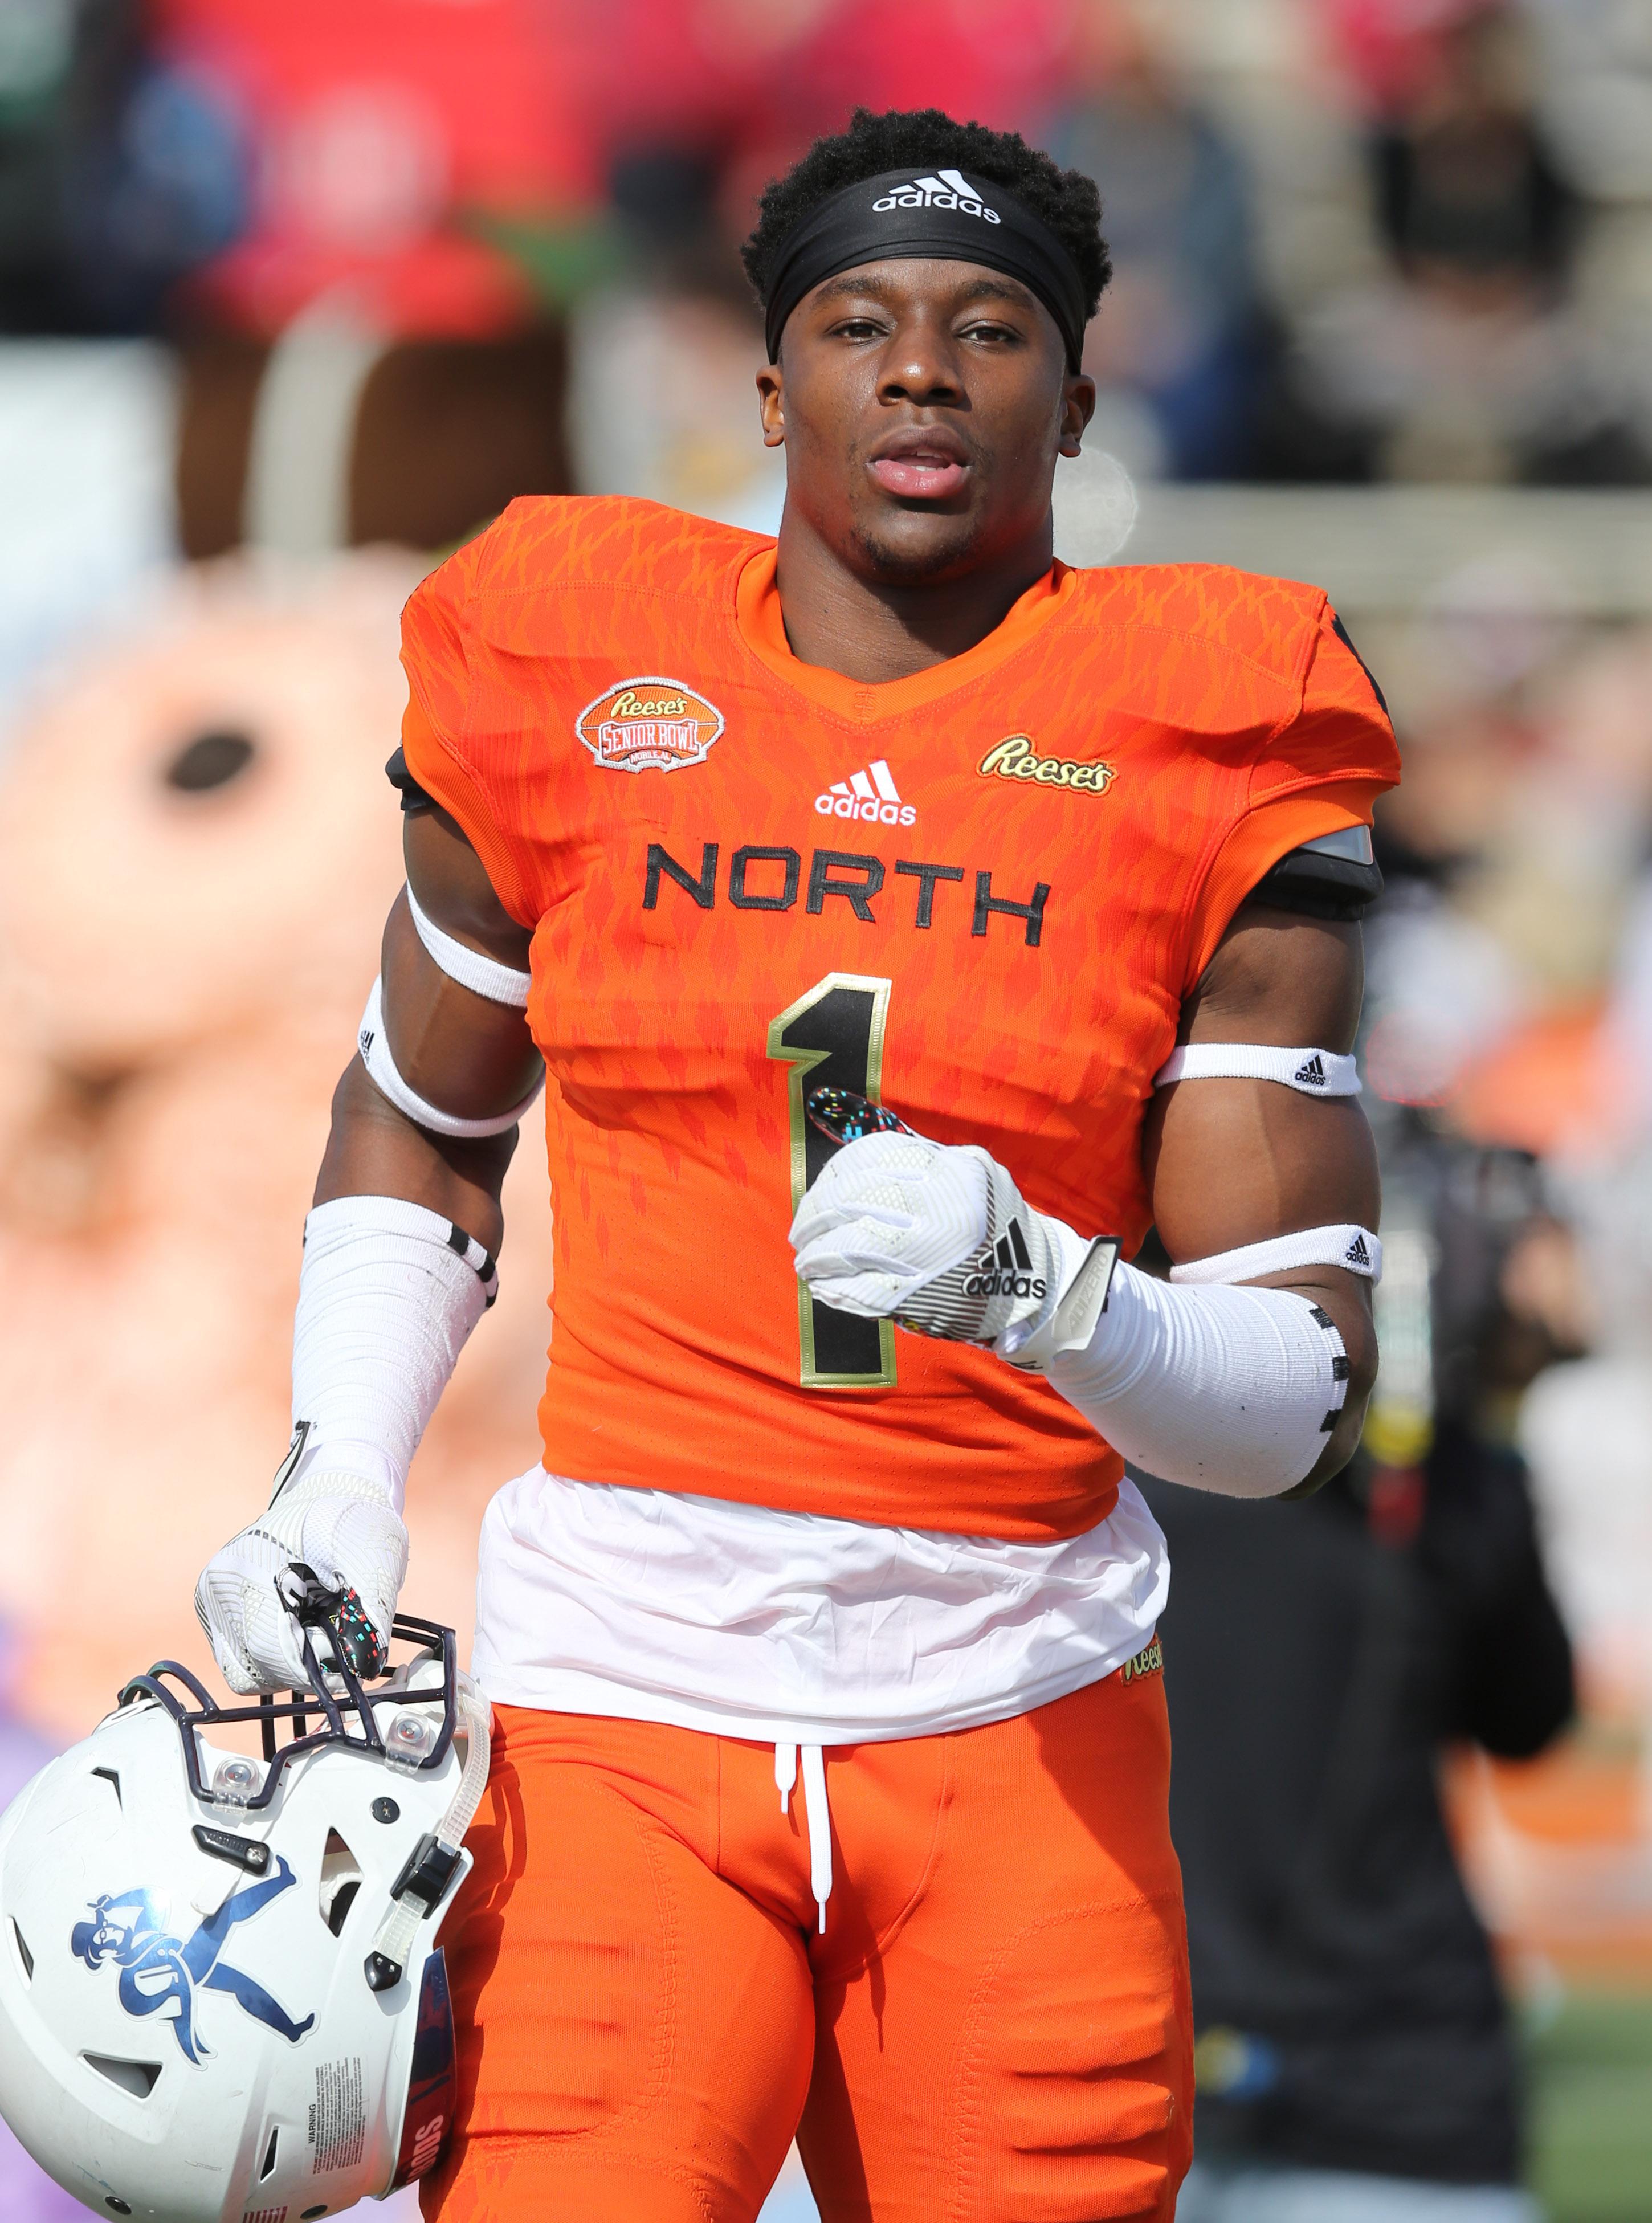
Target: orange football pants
995,2028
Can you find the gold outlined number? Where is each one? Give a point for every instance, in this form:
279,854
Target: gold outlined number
833,1037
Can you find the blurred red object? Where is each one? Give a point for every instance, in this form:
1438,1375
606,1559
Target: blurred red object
1395,1506
1389,46
1001,62
1552,1084
751,83
372,123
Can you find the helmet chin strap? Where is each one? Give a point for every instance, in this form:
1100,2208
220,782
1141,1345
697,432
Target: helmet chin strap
424,1881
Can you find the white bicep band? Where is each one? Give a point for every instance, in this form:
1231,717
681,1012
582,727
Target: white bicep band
1310,1072
484,976
1228,1389
375,1045
1354,1248
388,1298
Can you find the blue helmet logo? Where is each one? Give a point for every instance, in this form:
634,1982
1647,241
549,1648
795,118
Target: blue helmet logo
159,1970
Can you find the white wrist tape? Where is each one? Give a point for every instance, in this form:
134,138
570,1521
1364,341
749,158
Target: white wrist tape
387,1299
375,1045
1227,1389
1355,1248
1310,1072
484,976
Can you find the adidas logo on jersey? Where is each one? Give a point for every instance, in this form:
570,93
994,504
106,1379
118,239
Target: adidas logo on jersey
1006,1270
1358,1254
947,189
1310,1073
871,795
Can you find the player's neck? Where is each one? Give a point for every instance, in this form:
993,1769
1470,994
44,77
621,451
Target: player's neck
872,631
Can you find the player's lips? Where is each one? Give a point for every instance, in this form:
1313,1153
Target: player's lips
921,462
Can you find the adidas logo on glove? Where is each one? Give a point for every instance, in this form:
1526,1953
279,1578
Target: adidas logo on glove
1004,1270
871,795
947,189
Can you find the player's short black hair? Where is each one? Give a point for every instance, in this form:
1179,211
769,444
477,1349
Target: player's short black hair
927,138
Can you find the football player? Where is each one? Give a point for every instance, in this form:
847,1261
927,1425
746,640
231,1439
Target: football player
957,914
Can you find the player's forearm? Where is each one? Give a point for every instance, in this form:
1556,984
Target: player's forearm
1297,1173
395,1277
374,1149
1228,1389
399,1266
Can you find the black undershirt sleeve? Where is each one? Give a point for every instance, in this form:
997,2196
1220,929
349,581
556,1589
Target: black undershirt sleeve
1318,886
414,798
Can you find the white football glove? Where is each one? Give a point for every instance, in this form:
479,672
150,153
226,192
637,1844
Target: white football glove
343,1527
941,1240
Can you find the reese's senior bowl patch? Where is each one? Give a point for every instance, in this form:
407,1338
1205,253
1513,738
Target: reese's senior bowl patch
649,725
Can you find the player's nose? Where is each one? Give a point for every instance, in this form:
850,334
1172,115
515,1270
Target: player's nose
921,364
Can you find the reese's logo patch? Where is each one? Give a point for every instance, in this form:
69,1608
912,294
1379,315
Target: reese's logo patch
1148,1662
649,724
1015,758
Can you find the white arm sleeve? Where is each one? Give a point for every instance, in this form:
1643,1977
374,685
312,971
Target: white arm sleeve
1221,1389
388,1293
388,1298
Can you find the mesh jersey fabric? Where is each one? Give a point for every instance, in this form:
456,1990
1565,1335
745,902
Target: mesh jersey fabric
1006,967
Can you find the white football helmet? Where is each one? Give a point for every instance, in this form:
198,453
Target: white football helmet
221,1996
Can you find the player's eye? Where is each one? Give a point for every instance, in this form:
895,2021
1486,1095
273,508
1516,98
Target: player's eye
858,328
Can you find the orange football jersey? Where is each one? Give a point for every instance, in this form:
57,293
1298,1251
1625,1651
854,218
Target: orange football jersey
978,894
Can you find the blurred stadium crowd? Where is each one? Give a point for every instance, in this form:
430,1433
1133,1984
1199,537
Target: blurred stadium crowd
1356,240
295,294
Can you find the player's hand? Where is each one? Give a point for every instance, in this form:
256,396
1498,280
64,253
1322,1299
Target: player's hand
343,1528
937,1239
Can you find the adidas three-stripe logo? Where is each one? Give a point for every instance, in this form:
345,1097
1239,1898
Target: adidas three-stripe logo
1011,1249
1006,1270
947,189
871,795
1310,1073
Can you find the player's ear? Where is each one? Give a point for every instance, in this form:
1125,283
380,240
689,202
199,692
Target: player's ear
1078,406
771,406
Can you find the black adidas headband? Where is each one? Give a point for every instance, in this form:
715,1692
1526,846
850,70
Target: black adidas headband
942,213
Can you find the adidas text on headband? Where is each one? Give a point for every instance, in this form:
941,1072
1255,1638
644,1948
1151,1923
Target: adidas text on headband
942,214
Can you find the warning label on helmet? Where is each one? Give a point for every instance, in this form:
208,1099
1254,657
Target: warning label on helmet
338,2127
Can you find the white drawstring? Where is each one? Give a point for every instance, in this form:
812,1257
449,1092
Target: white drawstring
818,1814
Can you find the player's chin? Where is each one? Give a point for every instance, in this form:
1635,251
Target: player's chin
910,543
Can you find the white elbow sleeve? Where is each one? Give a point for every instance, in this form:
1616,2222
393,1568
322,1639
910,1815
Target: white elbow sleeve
1221,1389
386,1301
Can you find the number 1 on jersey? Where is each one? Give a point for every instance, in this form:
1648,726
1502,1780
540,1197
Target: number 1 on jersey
833,1037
